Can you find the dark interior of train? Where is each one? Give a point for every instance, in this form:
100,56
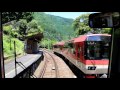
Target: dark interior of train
115,65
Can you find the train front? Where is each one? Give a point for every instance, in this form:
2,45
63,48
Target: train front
97,51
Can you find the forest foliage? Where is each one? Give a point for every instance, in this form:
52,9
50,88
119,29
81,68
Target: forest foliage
55,28
81,26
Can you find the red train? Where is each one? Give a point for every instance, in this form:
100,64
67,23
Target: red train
89,53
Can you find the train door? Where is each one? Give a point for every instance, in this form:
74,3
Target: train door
74,50
77,54
77,51
80,56
81,51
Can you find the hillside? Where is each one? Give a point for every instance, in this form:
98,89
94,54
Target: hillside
59,28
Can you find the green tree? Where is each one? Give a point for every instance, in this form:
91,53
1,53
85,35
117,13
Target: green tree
33,27
81,25
59,28
22,28
106,30
10,16
27,29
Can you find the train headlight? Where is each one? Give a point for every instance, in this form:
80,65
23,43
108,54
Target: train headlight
91,67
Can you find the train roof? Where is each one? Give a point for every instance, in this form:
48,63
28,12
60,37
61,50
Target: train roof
98,34
84,37
60,43
81,38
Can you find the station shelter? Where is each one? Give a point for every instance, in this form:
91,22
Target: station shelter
31,43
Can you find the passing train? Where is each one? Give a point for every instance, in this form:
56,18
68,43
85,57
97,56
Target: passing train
89,53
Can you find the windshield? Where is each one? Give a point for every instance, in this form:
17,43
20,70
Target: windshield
98,48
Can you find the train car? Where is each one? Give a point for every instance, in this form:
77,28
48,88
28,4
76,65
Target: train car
59,46
89,53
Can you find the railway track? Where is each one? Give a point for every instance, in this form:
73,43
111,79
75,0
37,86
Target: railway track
50,66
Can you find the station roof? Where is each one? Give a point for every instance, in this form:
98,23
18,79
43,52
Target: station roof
36,37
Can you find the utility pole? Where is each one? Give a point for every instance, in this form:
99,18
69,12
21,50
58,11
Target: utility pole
15,58
2,71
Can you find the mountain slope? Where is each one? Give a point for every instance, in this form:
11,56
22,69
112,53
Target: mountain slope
57,27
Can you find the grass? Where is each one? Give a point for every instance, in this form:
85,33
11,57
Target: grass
9,52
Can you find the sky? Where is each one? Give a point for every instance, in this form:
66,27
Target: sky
72,15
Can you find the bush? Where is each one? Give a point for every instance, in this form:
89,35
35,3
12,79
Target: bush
6,46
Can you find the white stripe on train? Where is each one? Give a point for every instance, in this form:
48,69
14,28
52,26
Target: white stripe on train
100,69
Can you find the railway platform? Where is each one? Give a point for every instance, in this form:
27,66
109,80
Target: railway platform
24,61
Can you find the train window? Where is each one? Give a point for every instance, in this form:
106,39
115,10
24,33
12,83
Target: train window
79,51
93,38
70,45
55,46
66,45
98,50
74,49
99,38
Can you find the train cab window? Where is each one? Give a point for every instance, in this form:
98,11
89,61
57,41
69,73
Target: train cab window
90,50
98,50
105,49
98,47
